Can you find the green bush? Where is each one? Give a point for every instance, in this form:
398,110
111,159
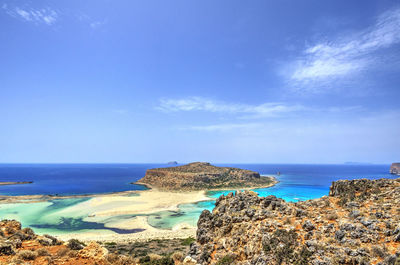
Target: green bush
188,241
227,260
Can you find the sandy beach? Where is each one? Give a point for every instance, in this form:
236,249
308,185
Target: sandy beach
132,206
100,208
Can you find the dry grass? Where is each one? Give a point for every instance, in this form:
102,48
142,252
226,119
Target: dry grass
27,254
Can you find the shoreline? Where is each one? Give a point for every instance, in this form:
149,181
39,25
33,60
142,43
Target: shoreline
101,208
5,199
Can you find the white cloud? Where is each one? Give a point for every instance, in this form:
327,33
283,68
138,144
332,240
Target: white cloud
270,109
44,15
345,57
97,24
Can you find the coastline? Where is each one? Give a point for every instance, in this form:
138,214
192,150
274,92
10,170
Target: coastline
101,208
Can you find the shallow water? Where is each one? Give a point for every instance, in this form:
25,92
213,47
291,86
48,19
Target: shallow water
297,182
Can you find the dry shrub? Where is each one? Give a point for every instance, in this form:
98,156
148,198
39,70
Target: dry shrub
120,259
43,252
27,254
72,253
177,256
154,256
16,260
62,252
49,260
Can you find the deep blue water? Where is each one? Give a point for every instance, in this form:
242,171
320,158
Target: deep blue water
297,181
71,179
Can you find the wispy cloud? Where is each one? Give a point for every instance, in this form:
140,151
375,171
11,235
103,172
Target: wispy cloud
270,109
345,57
224,127
46,15
97,24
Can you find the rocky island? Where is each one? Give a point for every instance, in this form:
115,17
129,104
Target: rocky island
358,223
15,182
395,169
203,176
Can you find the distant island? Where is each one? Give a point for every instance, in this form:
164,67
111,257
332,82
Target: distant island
395,169
203,176
172,163
357,163
15,182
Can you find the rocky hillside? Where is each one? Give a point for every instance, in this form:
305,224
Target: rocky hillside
23,246
198,176
395,169
358,223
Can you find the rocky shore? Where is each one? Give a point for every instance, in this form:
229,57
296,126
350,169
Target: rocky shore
395,169
203,176
358,223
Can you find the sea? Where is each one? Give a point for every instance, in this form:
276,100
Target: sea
297,182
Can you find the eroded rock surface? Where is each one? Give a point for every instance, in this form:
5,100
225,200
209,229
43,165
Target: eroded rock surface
358,223
395,169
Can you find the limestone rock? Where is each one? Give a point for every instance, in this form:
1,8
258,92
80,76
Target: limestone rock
347,227
395,169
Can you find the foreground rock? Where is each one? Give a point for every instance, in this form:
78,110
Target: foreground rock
23,246
395,169
199,176
358,223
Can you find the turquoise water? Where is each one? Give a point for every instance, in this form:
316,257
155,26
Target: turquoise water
300,183
297,182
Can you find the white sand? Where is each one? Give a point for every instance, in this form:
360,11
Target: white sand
101,208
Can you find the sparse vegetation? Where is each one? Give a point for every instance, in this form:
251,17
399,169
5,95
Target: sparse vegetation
43,252
75,244
226,260
27,254
188,241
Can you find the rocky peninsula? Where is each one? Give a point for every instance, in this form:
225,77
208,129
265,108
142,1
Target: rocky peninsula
203,176
395,169
358,223
15,182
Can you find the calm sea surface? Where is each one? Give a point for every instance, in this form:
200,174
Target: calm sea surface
297,182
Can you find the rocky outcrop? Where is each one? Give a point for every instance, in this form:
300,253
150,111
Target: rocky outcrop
23,246
358,223
395,169
198,176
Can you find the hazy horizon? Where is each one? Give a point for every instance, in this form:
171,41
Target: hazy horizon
283,82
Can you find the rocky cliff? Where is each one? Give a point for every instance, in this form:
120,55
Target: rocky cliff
395,169
358,223
198,176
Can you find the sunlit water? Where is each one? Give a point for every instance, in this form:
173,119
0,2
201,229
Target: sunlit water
297,182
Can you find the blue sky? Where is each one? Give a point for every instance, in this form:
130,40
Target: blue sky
221,81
